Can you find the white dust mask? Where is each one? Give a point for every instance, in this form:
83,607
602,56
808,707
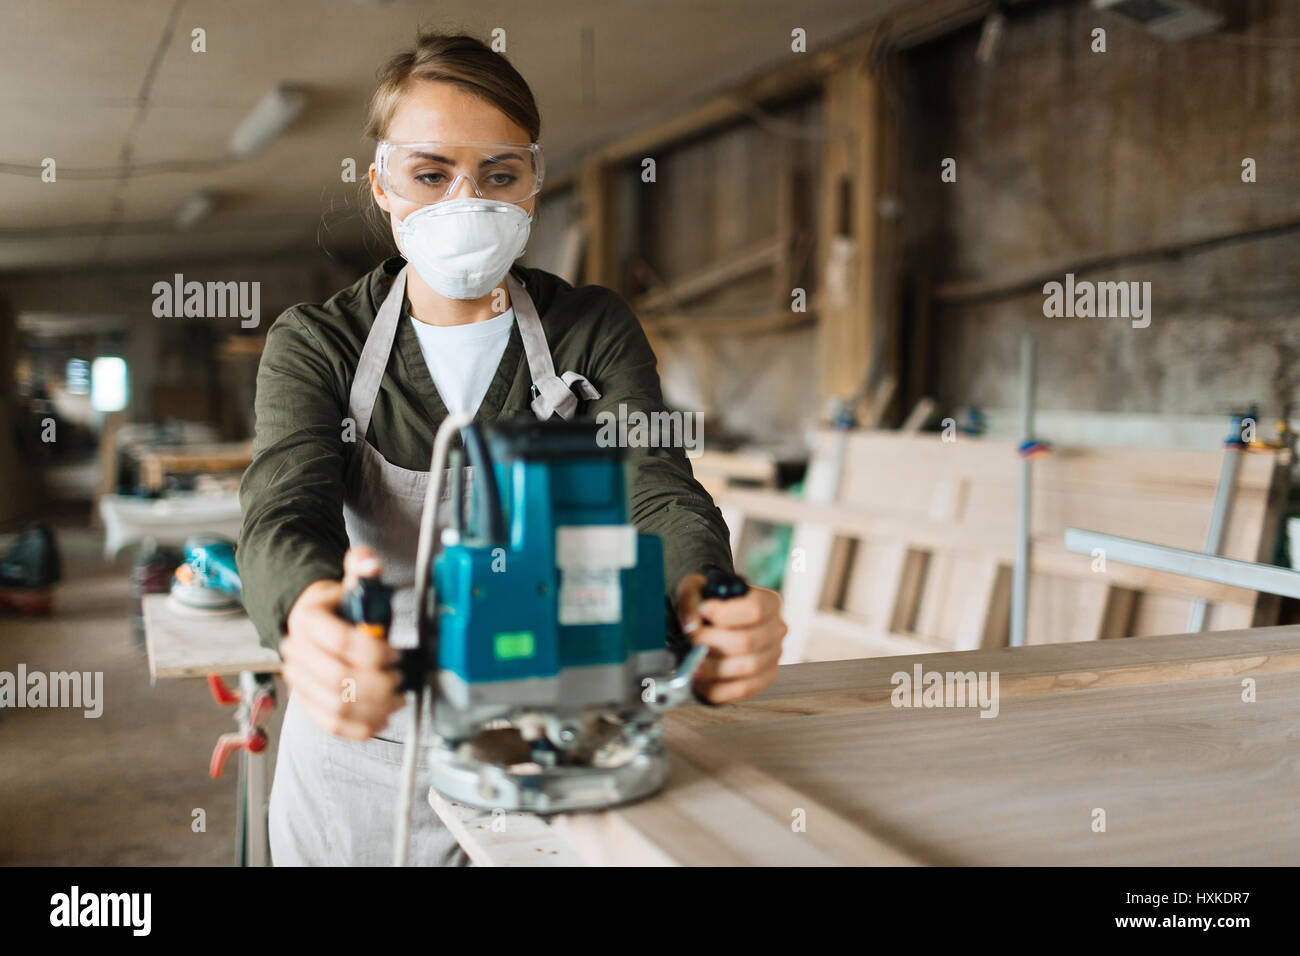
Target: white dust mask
464,247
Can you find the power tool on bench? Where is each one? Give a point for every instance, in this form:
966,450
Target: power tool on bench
543,624
208,579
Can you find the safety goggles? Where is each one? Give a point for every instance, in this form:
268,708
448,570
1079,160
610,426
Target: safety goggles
427,173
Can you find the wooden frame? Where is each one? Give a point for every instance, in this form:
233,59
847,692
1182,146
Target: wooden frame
909,547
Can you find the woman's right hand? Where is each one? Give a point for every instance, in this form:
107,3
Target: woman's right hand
344,678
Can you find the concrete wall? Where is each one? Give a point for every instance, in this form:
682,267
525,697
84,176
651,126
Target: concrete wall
1066,156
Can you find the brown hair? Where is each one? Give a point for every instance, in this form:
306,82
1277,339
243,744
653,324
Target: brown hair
470,64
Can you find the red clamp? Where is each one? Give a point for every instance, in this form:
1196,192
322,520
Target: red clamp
253,739
224,695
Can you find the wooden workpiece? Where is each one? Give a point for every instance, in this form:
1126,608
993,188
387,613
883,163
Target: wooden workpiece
1153,731
497,838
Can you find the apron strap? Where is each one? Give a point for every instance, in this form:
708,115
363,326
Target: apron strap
552,394
374,356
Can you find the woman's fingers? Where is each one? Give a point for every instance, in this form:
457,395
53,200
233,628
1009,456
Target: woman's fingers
716,668
330,671
333,722
322,627
758,605
738,642
743,635
371,715
345,678
365,697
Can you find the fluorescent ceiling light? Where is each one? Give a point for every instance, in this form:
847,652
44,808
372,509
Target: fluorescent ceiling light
274,112
108,384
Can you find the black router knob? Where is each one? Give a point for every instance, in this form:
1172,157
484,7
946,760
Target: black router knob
721,585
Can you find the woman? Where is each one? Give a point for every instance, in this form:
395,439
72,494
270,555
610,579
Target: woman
349,395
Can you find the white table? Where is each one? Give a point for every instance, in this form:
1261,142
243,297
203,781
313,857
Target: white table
169,520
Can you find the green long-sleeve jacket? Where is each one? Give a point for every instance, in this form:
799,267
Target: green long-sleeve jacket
292,493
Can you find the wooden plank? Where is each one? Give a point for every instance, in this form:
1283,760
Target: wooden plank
848,685
860,581
608,839
184,643
717,811
835,580
907,593
804,76
811,546
922,22
684,324
985,620
847,231
882,395
764,254
943,594
1117,613
1154,731
917,334
833,836
789,218
919,416
600,248
497,838
1185,772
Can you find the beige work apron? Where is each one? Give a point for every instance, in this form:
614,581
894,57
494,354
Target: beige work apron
333,800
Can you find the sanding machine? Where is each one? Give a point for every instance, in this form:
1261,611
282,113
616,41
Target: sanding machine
208,579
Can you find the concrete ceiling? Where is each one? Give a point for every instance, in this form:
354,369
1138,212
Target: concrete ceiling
102,85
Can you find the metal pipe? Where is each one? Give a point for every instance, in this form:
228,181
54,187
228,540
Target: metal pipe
1223,496
1020,574
254,792
1267,578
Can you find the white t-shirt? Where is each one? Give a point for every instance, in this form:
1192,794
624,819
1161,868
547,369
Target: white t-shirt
463,359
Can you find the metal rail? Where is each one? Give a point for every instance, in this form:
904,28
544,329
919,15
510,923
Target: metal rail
1193,564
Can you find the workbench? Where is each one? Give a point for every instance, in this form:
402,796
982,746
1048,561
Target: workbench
1156,733
181,642
1155,739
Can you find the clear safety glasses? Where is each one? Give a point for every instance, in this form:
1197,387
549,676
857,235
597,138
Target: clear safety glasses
427,173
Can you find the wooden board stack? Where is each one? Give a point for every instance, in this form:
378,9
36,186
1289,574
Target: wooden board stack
904,544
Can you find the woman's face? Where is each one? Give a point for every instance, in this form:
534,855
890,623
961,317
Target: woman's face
432,111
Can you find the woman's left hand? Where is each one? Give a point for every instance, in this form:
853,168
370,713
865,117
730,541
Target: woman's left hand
743,634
